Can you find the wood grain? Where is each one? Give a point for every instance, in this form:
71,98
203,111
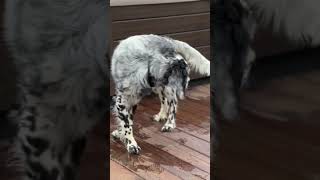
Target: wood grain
196,38
158,10
183,153
161,25
277,133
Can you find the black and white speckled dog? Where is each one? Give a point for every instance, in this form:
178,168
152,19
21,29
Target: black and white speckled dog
234,23
59,48
145,63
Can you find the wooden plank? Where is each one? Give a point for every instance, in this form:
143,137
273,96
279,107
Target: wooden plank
312,77
193,142
154,163
234,165
111,88
267,43
163,25
144,2
188,122
199,93
286,154
193,38
274,147
205,51
158,10
93,162
287,99
118,172
176,149
186,107
177,154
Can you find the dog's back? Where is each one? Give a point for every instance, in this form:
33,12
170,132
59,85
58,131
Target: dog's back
299,20
140,58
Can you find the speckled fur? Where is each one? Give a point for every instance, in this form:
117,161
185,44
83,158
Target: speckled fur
59,48
149,63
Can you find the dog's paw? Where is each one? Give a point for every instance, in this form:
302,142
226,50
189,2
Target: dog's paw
168,127
131,145
133,149
115,134
159,118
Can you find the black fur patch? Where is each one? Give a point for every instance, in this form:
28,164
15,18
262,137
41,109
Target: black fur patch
162,93
121,107
167,52
127,141
124,118
29,174
31,119
73,109
179,68
37,93
54,174
39,144
151,80
134,108
8,128
126,126
69,173
231,41
33,110
26,150
78,147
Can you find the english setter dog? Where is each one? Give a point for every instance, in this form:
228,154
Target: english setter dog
143,64
234,25
59,49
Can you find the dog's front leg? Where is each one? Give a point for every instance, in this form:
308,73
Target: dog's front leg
124,116
163,114
233,30
172,102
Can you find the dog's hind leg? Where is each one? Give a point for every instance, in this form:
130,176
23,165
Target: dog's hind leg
163,114
124,114
172,103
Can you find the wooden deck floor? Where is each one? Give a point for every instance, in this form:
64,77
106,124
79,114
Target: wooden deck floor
181,154
277,134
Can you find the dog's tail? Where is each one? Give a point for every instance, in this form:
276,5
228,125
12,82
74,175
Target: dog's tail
194,58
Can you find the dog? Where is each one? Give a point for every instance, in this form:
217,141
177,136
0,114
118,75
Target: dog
143,64
234,26
59,48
